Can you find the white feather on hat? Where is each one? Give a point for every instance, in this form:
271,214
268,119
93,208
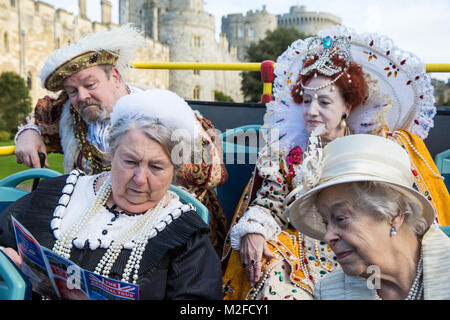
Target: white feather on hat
120,42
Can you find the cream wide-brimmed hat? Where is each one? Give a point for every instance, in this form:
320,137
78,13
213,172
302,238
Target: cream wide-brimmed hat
359,157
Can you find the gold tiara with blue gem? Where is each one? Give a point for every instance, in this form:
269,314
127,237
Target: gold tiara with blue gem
324,65
327,48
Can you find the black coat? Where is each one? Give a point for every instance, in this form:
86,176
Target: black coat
179,263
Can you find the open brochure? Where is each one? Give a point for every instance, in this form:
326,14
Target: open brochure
56,277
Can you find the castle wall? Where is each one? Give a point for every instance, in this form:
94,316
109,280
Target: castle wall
190,34
177,30
242,30
309,23
33,30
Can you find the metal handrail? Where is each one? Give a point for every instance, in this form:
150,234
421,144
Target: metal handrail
437,67
265,67
7,151
242,66
238,66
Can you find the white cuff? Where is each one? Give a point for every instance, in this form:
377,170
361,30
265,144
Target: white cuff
254,220
27,127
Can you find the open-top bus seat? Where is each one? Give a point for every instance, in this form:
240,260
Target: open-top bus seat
186,197
8,186
442,161
240,148
446,230
13,283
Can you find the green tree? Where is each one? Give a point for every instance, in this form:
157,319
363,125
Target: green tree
220,96
269,48
15,101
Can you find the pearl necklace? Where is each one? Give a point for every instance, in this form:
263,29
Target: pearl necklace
416,291
399,133
254,292
145,228
64,244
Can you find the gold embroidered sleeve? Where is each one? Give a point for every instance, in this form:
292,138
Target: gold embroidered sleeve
47,114
208,171
275,187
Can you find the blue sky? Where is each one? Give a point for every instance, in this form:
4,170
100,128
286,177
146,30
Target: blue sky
418,26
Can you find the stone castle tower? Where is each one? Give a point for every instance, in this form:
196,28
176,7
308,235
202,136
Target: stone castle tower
176,30
307,22
188,30
241,29
31,30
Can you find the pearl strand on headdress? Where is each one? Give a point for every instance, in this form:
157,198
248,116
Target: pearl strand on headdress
322,86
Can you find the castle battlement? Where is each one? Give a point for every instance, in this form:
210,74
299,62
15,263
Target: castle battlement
45,10
300,15
241,29
31,30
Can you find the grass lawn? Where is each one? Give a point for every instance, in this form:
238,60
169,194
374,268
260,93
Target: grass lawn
9,166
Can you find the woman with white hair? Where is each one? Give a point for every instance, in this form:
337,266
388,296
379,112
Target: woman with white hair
126,224
360,198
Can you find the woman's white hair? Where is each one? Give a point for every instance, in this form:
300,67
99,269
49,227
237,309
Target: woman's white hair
386,200
153,130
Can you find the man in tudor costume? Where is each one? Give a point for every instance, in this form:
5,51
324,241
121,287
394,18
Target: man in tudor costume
90,77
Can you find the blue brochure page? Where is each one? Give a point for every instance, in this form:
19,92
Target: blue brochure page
56,277
102,288
67,276
34,264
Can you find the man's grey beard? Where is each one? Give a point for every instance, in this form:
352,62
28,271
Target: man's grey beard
91,117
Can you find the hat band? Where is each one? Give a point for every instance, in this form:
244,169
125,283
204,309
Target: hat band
54,82
389,170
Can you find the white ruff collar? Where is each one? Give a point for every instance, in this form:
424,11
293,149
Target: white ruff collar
400,92
103,229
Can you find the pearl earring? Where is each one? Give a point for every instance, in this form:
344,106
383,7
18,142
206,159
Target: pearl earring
393,232
343,123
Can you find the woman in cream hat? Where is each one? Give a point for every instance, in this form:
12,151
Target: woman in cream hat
360,198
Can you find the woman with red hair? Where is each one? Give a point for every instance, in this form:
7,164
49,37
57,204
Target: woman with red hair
329,102
326,87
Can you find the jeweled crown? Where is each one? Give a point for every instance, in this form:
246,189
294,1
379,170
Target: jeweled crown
328,48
